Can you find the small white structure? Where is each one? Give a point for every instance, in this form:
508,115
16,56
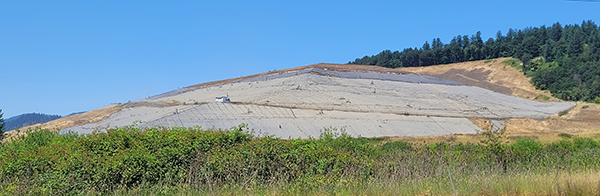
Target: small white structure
222,99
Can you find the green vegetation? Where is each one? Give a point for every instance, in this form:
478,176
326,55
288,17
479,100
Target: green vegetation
562,113
565,135
562,59
1,126
158,161
543,97
597,100
513,63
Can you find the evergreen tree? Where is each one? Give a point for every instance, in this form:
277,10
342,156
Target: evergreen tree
510,35
499,36
556,32
426,46
561,59
437,43
575,41
489,49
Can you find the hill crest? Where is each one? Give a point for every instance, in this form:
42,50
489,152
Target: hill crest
282,102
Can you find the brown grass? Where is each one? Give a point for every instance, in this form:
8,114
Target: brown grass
492,75
71,121
542,138
584,118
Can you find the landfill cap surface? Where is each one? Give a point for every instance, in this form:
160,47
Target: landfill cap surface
300,103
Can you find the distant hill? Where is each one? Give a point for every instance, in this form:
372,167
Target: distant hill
76,113
28,119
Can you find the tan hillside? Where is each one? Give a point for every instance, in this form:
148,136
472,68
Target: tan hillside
584,118
489,74
73,120
581,120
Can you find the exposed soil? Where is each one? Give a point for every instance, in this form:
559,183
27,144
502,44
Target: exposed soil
489,74
581,119
483,124
94,115
70,121
584,118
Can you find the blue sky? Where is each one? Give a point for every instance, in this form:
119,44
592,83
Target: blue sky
59,57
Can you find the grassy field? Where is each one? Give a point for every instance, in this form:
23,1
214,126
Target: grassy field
192,161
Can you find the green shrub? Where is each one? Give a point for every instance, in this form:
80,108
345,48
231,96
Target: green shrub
395,145
526,146
562,113
597,100
495,139
544,97
513,63
130,158
1,127
565,135
586,143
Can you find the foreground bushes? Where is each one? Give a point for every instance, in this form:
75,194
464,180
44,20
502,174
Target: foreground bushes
44,162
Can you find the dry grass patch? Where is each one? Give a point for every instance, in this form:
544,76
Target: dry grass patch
489,74
69,121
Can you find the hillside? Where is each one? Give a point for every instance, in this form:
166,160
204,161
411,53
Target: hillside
563,59
76,119
363,100
498,76
493,75
24,120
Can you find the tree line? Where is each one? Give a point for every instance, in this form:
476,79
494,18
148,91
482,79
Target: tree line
564,59
28,119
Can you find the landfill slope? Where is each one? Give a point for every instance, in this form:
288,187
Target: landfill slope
301,102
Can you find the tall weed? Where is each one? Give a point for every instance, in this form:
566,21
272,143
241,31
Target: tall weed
173,159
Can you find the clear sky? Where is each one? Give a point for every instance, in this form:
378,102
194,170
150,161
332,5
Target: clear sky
59,57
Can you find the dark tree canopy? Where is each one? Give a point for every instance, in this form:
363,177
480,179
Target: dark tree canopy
562,59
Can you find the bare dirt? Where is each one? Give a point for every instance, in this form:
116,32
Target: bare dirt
582,119
489,74
483,124
71,121
96,115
